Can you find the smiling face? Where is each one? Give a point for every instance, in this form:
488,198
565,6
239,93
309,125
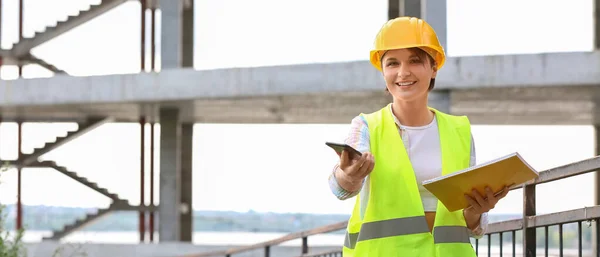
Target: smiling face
408,73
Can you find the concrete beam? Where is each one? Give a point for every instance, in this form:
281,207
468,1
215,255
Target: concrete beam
575,105
531,70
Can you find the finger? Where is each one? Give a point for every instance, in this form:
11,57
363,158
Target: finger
504,193
361,160
344,159
490,194
369,164
473,204
491,199
362,170
482,202
357,165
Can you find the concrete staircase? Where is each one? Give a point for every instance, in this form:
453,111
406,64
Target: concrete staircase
73,175
85,127
32,160
79,224
30,58
24,46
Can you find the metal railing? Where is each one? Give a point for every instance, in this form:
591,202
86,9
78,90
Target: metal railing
526,227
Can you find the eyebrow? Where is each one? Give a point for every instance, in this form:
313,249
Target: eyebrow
396,59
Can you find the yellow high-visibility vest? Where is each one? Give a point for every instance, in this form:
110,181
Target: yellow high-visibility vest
394,221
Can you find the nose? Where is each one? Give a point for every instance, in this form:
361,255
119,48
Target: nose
403,72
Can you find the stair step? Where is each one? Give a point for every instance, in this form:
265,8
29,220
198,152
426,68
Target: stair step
102,4
78,223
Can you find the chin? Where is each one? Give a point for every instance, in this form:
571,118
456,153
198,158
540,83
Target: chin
407,96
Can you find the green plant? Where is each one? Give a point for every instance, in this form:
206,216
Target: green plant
14,247
9,246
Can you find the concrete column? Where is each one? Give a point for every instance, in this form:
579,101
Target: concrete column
432,11
177,38
187,212
397,8
596,25
440,100
177,51
170,175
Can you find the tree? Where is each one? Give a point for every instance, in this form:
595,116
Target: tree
9,246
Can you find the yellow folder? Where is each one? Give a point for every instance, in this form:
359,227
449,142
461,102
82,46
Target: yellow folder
510,170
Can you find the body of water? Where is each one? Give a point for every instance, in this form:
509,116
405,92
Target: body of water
199,238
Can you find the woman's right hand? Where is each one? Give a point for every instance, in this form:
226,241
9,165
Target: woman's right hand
353,171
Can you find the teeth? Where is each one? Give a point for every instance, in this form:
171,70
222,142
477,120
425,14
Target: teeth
406,83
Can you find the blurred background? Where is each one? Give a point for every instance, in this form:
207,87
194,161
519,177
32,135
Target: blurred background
249,92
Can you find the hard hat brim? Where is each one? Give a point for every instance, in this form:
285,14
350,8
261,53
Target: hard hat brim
435,52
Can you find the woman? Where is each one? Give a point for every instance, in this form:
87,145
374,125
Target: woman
403,144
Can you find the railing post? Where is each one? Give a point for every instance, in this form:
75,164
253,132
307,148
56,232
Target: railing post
267,251
595,230
19,178
305,245
142,214
529,234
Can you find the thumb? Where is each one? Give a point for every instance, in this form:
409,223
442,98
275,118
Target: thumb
344,157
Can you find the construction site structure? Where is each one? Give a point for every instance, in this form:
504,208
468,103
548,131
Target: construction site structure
526,89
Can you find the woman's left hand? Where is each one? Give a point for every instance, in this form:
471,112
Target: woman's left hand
480,205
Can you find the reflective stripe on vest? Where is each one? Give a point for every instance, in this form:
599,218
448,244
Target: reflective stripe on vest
406,226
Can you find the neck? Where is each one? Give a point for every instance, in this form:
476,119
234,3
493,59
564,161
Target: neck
412,114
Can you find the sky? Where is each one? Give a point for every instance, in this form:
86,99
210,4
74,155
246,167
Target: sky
266,174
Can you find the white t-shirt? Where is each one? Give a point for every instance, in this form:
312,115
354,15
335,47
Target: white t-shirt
424,153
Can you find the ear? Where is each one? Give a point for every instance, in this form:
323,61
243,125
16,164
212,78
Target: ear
434,68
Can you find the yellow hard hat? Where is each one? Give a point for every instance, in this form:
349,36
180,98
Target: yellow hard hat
407,32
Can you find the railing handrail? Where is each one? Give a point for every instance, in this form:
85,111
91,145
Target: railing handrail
292,236
549,175
565,171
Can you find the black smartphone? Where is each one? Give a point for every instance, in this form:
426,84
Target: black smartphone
354,154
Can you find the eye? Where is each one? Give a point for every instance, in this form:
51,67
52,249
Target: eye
391,63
